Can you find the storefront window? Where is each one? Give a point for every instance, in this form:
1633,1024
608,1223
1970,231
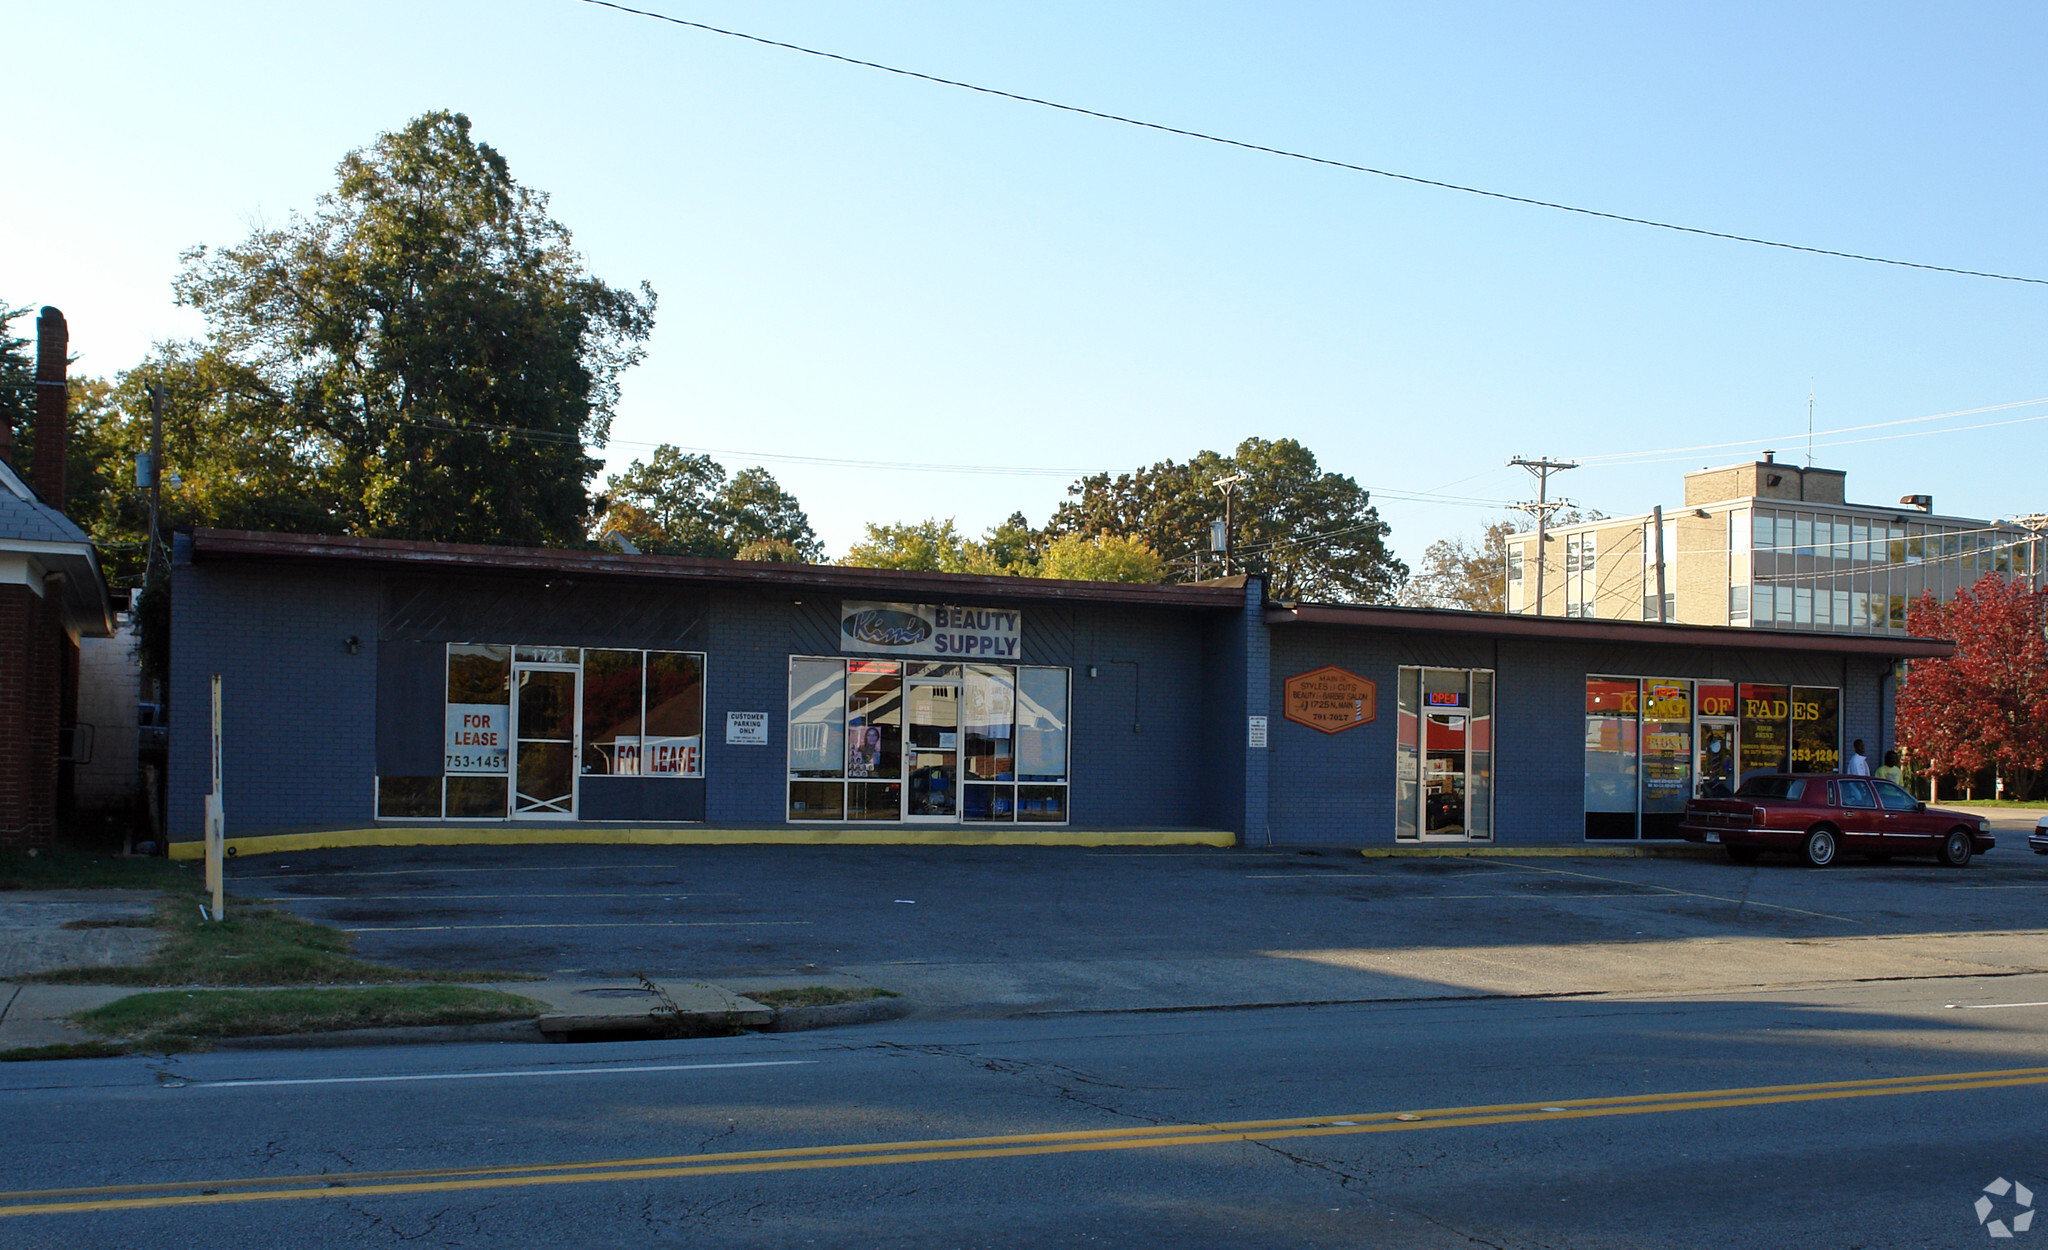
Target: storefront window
1667,754
1611,715
1816,730
540,716
674,745
1765,728
611,712
408,798
883,740
479,732
1479,784
1407,760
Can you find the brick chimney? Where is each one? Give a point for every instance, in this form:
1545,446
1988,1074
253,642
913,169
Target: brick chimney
53,407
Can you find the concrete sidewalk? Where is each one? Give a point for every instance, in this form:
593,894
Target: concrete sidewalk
39,1015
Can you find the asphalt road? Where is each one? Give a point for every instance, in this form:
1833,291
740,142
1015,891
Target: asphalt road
1009,930
1612,1121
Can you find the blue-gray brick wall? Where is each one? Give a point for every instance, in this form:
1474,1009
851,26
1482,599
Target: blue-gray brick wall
1158,729
298,712
1338,789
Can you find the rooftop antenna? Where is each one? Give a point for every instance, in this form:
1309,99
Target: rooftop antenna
1809,425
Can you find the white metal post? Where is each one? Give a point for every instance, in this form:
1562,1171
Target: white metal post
216,818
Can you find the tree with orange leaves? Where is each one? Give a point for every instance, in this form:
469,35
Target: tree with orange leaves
1987,707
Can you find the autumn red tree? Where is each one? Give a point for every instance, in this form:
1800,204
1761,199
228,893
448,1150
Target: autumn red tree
1988,706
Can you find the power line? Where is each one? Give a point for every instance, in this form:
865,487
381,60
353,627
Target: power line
1619,458
1313,160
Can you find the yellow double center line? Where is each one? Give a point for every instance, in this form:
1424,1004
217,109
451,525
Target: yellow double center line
874,1154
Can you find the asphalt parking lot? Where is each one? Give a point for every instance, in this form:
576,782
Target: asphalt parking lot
1029,929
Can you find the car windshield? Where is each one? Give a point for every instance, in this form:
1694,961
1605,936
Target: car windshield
1772,788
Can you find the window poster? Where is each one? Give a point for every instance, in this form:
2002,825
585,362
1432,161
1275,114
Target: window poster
672,757
477,738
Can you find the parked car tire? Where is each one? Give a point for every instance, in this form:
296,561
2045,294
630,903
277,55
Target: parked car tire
1821,847
1956,848
1743,854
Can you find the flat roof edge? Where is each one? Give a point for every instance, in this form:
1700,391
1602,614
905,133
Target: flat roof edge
1566,629
465,557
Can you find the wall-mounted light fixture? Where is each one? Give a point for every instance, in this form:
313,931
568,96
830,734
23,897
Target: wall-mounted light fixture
353,644
1093,672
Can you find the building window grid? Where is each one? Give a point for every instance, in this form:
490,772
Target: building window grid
1819,571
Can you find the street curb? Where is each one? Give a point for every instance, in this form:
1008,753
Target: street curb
413,1035
1680,851
866,1011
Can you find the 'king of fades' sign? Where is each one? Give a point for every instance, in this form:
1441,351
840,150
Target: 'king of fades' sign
947,629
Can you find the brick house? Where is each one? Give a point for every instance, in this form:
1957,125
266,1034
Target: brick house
52,594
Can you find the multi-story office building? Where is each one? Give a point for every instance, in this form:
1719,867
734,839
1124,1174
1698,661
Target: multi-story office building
1767,545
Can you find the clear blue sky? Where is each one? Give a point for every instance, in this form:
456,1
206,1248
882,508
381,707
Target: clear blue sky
859,266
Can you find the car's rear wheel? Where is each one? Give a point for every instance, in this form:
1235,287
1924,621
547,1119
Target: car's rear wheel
1956,848
1820,848
1743,854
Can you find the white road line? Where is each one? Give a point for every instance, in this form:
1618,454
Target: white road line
1996,1006
607,924
478,1076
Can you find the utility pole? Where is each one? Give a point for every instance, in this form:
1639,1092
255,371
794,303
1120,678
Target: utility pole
1228,485
1657,521
2035,523
1542,508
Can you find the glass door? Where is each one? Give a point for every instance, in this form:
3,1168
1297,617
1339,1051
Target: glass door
1714,771
545,723
932,723
1445,773
874,740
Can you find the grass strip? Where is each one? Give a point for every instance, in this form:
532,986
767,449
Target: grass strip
818,996
74,870
254,946
177,1020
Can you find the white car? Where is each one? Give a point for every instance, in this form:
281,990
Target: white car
2038,839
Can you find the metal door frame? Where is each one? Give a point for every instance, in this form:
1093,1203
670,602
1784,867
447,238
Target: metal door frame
959,684
575,739
1422,832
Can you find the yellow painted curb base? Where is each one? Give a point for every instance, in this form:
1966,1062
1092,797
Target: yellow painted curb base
837,835
1654,850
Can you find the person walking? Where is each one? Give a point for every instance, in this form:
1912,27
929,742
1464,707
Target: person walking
1892,770
1859,763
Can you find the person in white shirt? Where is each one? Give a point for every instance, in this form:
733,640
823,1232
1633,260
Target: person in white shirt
1859,764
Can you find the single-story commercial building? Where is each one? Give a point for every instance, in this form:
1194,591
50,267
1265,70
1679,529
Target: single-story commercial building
378,693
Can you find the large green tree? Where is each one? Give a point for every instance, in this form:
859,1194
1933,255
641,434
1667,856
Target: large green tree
680,504
17,382
1312,533
423,357
934,545
1460,573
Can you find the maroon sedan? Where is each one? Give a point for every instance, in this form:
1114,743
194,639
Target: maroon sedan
1820,816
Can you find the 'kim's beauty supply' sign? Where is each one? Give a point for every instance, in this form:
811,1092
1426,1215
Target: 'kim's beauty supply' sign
930,629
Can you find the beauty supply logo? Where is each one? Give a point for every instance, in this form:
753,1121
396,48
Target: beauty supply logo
944,629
